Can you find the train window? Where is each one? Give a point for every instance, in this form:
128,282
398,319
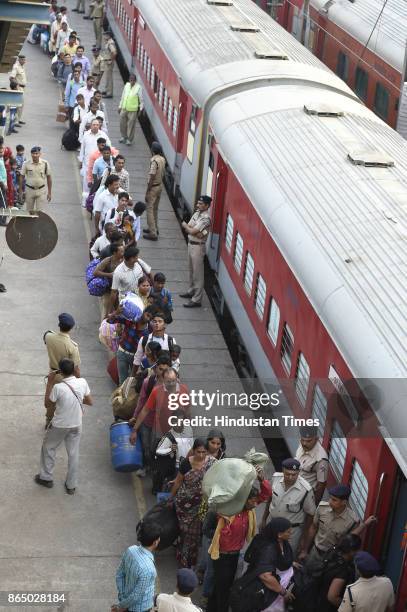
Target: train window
274,321
165,102
191,133
156,84
381,101
138,47
337,450
169,114
148,70
359,490
209,179
229,233
152,76
287,345
175,122
260,299
302,379
342,66
361,82
248,273
160,93
319,409
144,60
238,254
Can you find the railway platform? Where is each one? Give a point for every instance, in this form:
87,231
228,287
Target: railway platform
52,541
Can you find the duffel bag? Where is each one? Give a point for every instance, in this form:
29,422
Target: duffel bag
248,594
69,139
162,514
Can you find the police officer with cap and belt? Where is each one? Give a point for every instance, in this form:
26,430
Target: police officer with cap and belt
198,230
61,346
109,53
332,520
293,499
314,460
38,181
97,67
371,593
18,78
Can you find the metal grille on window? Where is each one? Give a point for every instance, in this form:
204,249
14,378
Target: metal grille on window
260,299
337,450
248,273
165,102
144,60
238,256
359,490
169,114
302,379
287,345
148,70
175,122
229,233
138,47
319,409
160,93
152,76
274,321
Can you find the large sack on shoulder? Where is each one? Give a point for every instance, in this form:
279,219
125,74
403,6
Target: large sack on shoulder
124,399
227,485
164,515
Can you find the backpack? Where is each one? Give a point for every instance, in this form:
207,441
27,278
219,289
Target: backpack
70,140
248,593
89,202
170,342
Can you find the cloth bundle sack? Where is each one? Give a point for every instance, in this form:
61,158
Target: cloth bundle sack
124,399
109,335
96,285
227,485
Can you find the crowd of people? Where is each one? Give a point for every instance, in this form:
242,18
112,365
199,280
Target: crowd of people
306,553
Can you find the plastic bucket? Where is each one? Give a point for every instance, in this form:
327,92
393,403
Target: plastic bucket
125,456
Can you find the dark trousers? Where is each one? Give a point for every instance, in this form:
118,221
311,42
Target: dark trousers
224,570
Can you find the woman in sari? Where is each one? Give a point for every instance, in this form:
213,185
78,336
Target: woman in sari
272,558
187,494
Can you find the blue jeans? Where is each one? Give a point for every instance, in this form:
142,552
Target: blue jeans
124,365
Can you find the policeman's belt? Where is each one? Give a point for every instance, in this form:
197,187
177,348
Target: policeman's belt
31,187
190,242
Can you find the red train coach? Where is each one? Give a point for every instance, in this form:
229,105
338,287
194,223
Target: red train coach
309,226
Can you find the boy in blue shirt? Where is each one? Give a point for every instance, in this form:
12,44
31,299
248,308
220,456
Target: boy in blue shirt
161,296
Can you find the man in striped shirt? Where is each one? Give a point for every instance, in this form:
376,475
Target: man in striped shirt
135,577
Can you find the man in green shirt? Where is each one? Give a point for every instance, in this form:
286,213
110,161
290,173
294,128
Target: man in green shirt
131,103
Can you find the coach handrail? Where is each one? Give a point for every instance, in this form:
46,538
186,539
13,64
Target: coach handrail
376,508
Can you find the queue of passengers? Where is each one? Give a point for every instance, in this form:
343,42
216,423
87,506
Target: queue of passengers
303,525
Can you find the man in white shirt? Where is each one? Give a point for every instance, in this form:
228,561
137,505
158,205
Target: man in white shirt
88,90
119,213
105,201
103,241
62,36
126,275
180,601
158,335
88,146
67,398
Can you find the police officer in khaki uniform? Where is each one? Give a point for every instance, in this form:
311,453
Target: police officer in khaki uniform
332,520
293,499
314,461
372,592
97,12
19,77
154,189
60,346
198,230
109,53
97,67
38,181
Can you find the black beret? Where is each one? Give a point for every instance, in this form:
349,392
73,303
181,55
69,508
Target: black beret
291,464
340,491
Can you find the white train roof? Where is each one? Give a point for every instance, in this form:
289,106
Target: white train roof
341,227
209,56
358,18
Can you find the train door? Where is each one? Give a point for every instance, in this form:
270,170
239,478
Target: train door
216,187
396,556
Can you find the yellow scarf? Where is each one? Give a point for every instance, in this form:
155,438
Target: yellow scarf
213,549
